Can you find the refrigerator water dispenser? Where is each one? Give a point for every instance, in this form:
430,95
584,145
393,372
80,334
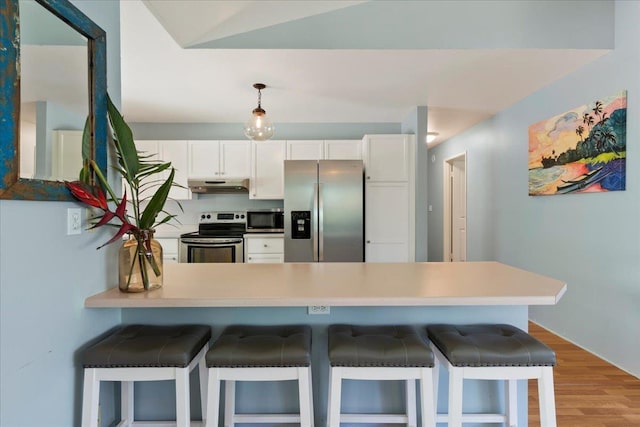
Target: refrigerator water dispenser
300,224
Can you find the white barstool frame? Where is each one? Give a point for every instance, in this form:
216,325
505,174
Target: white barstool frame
127,377
423,376
231,375
510,374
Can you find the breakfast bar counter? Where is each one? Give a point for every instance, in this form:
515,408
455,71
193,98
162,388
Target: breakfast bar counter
353,293
340,284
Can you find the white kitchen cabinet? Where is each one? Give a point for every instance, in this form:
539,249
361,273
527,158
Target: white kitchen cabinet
387,157
305,150
343,149
176,153
223,159
166,151
169,249
389,198
267,169
263,248
387,222
66,154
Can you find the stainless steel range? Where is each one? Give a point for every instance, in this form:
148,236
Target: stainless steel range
218,239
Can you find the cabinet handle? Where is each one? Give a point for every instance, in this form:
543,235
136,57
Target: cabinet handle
368,241
368,177
265,245
216,173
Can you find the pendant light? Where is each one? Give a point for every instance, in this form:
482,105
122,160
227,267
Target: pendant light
258,127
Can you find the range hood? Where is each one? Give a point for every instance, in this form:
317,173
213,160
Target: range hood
217,185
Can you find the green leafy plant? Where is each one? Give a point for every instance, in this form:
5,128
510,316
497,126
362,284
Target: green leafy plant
140,174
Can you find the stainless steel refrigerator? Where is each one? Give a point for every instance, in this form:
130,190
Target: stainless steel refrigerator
324,211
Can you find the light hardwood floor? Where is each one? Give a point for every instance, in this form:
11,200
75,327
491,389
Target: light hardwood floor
589,391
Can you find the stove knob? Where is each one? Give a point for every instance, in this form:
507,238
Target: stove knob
208,216
242,216
237,216
202,216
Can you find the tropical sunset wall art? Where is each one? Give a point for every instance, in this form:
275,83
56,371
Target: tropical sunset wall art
581,151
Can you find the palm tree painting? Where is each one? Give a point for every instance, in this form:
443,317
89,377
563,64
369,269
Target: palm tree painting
583,150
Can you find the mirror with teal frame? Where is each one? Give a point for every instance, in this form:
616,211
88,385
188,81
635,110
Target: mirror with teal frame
13,184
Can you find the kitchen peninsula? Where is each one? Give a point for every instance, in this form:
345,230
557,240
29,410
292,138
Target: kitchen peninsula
340,284
358,293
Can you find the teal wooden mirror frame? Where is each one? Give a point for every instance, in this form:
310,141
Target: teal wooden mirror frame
11,185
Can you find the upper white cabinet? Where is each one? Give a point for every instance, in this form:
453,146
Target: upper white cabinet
267,169
167,151
343,149
224,159
386,157
305,150
67,155
324,149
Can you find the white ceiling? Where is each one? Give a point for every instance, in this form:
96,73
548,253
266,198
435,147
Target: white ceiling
164,82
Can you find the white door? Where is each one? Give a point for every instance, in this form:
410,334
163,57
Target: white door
455,209
459,210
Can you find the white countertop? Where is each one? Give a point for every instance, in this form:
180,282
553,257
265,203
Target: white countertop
340,284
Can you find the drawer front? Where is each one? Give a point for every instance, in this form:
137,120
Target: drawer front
265,245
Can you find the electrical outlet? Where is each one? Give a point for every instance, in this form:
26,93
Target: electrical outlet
319,309
74,221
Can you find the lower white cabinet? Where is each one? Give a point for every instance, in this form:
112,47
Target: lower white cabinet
263,248
169,249
387,219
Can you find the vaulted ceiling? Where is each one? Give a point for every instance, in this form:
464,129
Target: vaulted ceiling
350,61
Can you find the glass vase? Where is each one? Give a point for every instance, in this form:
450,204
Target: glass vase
140,263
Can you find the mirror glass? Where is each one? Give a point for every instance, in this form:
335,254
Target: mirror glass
54,95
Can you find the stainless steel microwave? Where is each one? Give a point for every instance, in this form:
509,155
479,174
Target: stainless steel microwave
265,221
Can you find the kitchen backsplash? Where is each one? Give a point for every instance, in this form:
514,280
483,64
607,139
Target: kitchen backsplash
217,202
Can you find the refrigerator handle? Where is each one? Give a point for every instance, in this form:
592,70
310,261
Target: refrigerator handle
320,224
314,241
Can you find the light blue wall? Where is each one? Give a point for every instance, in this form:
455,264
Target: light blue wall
169,131
589,240
44,278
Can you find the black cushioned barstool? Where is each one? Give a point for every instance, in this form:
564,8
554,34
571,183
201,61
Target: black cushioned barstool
259,353
494,352
381,353
144,353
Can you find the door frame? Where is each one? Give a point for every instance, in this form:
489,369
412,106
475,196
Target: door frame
447,167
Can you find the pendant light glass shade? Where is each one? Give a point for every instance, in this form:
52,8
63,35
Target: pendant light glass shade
258,127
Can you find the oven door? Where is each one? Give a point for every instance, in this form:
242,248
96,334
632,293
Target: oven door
211,249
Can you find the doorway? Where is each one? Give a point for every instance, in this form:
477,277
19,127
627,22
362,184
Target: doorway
455,208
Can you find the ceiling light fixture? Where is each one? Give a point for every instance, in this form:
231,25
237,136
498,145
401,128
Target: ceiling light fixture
431,136
258,127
